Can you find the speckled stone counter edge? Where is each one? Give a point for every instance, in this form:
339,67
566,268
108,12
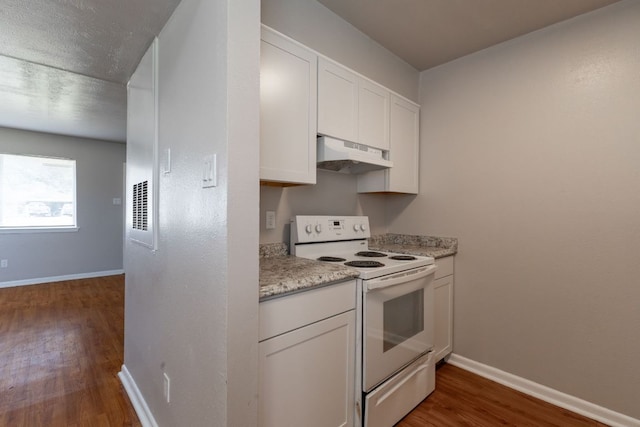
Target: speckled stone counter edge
437,247
282,274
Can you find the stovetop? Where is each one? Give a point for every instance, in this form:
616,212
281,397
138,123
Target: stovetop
370,266
343,240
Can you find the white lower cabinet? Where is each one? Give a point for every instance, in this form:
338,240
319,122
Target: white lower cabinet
443,290
307,374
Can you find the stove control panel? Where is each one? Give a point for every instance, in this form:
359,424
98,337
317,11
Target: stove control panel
324,228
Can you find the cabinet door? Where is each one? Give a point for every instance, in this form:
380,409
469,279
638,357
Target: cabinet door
373,115
443,338
307,375
288,102
337,101
404,141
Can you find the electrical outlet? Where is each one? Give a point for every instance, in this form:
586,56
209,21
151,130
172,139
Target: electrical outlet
271,220
4,263
167,387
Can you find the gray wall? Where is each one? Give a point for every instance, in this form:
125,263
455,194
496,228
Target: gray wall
315,26
191,307
530,156
334,194
97,245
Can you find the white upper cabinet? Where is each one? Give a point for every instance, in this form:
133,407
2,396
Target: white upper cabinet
404,140
288,103
351,107
337,101
303,95
373,115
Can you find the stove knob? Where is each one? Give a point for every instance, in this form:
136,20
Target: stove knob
308,228
356,227
318,228
363,227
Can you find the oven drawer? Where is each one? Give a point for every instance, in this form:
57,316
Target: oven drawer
396,397
294,311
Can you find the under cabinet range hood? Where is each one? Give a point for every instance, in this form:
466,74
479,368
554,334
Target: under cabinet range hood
349,157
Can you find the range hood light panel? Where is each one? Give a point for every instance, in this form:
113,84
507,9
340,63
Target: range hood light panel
349,157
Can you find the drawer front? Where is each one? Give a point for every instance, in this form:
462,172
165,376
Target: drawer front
290,312
445,267
395,398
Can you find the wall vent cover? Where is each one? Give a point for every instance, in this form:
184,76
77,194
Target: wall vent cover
141,206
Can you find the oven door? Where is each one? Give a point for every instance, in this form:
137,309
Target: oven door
398,319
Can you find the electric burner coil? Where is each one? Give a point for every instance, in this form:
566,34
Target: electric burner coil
331,259
403,257
364,264
371,254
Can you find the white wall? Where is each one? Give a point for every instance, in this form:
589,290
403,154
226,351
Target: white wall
192,306
97,245
315,26
530,156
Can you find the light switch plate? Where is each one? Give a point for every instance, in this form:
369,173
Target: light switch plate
210,171
167,387
166,161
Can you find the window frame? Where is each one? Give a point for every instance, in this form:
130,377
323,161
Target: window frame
20,229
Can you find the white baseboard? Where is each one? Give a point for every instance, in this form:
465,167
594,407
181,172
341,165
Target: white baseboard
41,280
563,400
138,402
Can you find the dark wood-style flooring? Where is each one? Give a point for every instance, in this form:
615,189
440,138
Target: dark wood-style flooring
61,347
462,398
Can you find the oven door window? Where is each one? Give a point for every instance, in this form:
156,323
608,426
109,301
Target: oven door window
403,319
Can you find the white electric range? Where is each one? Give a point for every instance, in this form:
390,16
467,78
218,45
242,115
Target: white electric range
395,370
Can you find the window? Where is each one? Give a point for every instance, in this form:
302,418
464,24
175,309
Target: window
37,192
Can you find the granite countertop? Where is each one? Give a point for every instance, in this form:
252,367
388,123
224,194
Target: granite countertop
437,247
281,274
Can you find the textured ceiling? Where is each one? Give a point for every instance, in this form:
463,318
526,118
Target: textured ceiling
45,99
64,64
104,39
426,33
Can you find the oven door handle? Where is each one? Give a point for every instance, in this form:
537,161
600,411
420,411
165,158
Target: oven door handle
397,279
